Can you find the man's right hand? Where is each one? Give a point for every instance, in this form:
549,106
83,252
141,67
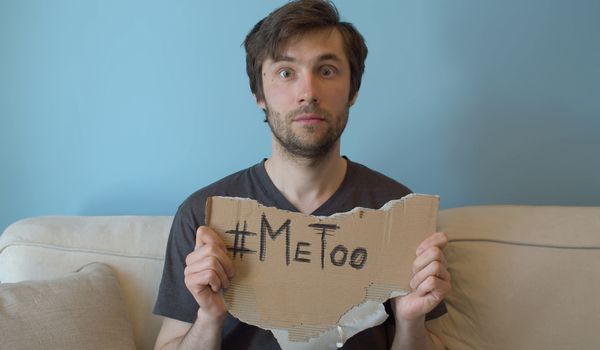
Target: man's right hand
208,269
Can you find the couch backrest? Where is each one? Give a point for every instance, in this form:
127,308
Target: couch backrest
134,246
523,277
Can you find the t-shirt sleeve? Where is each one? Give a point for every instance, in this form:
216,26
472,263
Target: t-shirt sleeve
174,300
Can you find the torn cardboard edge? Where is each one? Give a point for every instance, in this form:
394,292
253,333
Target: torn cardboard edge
307,275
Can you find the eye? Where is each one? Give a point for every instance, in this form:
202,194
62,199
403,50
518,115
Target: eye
328,71
285,73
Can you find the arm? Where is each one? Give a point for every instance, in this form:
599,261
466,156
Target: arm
208,269
430,284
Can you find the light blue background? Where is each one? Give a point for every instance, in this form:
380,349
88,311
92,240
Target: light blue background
127,107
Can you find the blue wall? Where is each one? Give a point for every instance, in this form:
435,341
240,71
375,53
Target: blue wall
126,107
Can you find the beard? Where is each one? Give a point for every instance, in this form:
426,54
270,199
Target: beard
312,142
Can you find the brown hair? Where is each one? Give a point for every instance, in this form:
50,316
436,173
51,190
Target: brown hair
293,19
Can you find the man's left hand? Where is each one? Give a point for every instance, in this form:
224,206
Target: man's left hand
430,282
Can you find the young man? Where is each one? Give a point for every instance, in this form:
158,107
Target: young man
305,68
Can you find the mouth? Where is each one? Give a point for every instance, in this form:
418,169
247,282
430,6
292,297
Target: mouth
308,118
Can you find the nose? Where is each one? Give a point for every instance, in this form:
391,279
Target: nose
308,89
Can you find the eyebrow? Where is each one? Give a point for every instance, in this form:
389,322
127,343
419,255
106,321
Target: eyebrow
323,57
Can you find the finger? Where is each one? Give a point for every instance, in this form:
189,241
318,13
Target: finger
435,286
212,250
438,239
208,263
431,300
220,254
206,235
427,257
211,278
435,269
197,282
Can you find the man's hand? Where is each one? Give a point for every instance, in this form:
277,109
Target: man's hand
430,282
208,269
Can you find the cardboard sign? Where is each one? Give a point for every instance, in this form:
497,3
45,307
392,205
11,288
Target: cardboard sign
302,273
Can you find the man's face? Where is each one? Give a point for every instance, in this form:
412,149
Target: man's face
306,93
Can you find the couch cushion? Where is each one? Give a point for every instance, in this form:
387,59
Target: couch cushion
83,310
49,247
523,277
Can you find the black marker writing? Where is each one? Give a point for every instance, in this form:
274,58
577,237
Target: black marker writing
239,243
265,227
339,256
358,259
302,252
343,250
323,228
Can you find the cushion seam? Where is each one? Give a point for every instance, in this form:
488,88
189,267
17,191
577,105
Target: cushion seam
525,244
81,250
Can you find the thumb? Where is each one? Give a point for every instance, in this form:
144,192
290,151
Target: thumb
431,300
199,241
206,235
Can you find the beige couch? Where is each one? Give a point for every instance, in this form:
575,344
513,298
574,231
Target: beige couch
523,278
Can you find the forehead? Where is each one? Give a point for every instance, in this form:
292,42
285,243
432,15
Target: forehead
313,44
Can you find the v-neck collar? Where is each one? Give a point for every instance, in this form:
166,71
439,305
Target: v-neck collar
283,203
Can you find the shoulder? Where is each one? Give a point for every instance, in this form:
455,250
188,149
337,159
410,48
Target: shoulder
234,185
372,180
367,188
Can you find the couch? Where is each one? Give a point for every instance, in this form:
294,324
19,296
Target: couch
523,277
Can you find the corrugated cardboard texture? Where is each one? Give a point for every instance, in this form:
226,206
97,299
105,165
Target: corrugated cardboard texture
301,273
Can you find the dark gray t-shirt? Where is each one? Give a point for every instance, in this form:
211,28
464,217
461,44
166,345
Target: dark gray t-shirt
361,187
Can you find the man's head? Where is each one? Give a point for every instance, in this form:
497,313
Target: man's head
292,21
305,68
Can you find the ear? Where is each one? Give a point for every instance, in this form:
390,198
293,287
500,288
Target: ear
353,99
260,103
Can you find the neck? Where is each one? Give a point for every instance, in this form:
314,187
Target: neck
306,183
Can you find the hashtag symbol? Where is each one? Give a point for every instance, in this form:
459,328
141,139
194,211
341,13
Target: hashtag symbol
239,242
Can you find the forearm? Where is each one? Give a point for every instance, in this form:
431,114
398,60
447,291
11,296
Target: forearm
204,334
412,334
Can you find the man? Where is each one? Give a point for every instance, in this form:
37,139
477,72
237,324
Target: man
305,68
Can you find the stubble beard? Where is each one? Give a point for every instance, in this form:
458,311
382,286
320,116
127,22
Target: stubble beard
299,146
